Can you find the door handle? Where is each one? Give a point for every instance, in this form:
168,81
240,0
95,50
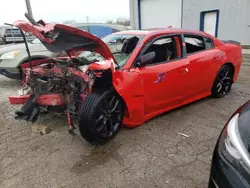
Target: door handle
184,71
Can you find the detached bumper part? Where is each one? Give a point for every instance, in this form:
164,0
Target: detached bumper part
29,110
31,104
43,100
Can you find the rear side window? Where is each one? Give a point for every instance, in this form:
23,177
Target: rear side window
209,43
194,44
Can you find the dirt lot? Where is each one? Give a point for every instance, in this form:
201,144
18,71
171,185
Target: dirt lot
153,155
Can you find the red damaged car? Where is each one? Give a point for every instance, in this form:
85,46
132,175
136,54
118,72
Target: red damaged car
126,78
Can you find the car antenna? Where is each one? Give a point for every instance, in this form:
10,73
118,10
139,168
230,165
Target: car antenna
25,42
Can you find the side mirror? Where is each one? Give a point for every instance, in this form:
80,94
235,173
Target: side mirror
145,59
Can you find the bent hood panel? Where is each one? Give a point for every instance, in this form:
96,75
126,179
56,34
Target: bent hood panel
58,38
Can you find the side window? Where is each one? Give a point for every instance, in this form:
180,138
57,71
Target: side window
209,43
165,50
194,44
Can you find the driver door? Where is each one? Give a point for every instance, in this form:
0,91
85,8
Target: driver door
164,80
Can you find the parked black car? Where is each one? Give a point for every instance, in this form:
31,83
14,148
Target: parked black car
231,160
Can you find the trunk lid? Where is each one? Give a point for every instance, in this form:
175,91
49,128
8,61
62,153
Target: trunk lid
231,42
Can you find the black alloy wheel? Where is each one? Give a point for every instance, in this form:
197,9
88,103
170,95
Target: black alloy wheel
101,116
110,117
223,82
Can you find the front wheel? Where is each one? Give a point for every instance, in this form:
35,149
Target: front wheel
101,116
4,41
223,82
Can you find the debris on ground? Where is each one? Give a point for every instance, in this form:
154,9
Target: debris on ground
42,129
182,134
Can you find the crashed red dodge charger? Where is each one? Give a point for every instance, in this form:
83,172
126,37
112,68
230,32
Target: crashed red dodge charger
125,78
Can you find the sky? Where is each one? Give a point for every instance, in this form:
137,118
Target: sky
61,10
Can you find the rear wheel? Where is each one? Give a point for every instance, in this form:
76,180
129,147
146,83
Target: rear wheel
101,116
223,82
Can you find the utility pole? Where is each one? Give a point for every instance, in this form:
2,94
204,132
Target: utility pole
28,5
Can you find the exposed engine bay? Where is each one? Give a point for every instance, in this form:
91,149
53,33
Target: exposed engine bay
59,86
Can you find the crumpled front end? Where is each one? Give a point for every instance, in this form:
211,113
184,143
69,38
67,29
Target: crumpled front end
50,86
58,86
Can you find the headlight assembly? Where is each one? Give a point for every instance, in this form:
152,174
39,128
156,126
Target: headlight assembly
10,55
234,144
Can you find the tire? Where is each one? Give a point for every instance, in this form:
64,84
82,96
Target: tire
223,82
101,116
4,41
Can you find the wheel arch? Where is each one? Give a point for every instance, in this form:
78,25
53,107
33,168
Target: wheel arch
125,106
215,93
33,57
231,65
105,82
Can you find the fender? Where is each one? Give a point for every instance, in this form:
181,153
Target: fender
131,82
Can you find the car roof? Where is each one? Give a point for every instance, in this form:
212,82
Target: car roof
156,31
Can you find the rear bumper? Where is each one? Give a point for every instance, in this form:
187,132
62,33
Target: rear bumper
14,39
232,42
15,75
43,100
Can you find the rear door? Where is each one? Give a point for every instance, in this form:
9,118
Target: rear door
164,80
203,67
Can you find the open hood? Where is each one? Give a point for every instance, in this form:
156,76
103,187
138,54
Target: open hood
59,37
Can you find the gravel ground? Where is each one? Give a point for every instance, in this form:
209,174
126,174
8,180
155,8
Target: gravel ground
152,155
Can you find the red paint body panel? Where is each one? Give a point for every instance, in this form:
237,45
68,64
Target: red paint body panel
104,65
43,100
146,99
130,87
18,99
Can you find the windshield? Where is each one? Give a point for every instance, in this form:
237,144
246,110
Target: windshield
120,45
116,42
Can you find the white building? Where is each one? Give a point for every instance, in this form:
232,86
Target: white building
225,19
